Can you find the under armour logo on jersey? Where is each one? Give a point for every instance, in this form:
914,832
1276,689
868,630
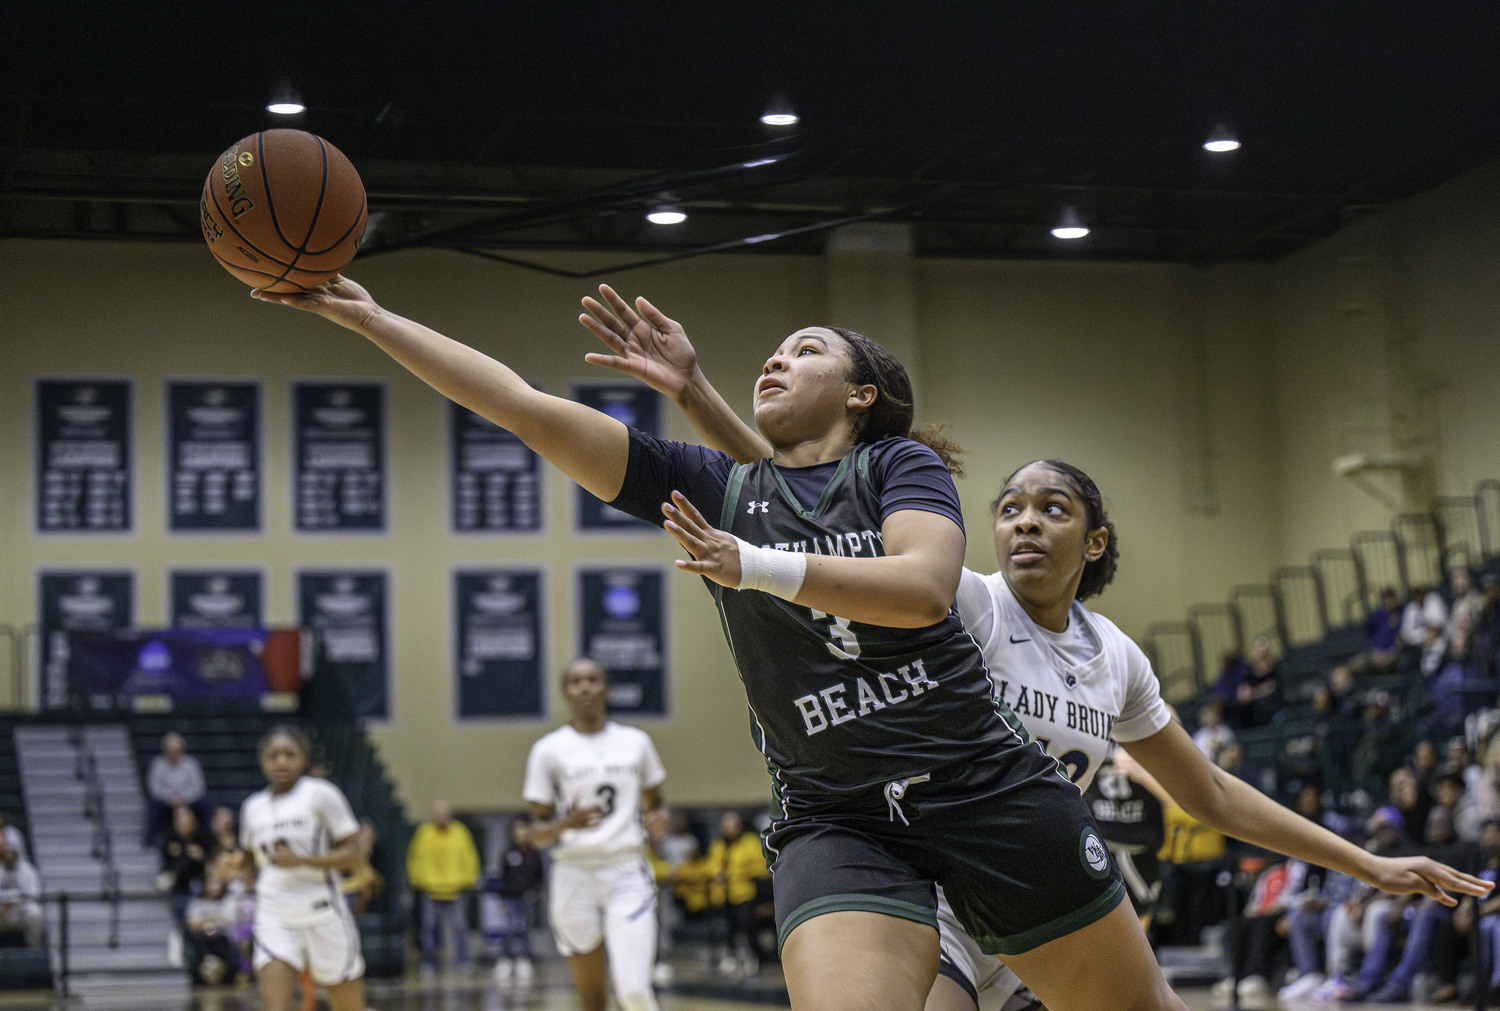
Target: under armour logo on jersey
759,507
1072,681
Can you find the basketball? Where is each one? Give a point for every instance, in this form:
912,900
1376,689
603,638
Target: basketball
283,210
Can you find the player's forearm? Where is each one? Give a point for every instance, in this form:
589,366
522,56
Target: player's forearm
898,591
340,858
1238,809
716,424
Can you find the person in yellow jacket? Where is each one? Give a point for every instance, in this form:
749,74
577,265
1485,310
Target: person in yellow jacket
442,863
739,864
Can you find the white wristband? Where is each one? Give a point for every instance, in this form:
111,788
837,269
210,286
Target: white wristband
779,573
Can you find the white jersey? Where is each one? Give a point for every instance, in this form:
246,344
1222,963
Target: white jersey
310,818
1075,690
608,770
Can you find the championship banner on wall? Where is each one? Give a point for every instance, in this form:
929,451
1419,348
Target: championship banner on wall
636,406
107,670
623,626
338,457
74,602
497,652
83,461
495,482
216,598
213,456
345,612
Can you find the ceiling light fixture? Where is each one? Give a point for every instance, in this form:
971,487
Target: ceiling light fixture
285,101
779,113
666,215
1221,139
1070,225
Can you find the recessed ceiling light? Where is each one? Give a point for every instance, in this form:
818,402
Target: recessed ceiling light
1070,225
1221,140
666,216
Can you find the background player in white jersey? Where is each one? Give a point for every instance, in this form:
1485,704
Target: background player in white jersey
588,783
1073,677
301,831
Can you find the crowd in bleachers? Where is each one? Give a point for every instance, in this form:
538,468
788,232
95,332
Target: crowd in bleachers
1397,748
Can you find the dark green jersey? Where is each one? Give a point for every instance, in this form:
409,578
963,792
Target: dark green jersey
837,705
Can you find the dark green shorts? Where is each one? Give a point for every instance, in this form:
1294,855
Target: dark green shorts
1007,836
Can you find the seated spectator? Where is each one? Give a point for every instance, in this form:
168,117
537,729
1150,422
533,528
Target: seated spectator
221,826
1355,925
213,953
1254,939
1466,602
1486,629
739,865
20,896
12,837
184,859
510,895
1383,632
1232,673
1487,910
1212,733
1191,858
1259,694
1404,795
1460,807
1423,763
1423,618
1380,748
174,779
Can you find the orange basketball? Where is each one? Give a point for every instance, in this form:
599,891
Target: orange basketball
283,210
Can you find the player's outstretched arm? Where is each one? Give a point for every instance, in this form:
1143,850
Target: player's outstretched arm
1238,809
656,350
590,447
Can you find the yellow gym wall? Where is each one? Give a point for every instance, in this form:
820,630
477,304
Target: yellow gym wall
1204,402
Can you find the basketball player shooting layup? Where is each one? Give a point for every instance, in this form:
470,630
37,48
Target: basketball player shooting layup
834,566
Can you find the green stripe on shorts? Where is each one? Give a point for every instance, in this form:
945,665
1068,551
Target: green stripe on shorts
1019,944
855,902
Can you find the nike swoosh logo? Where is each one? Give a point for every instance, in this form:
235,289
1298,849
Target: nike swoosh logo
1014,639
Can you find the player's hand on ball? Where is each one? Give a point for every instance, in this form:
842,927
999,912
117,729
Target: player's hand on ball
339,300
716,554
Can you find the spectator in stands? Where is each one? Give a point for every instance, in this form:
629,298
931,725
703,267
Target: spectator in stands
739,869
1461,806
213,954
1212,733
1423,763
1259,694
669,844
1231,758
1486,629
442,863
509,903
1488,909
12,837
1192,858
174,779
20,896
1254,940
221,825
1383,632
1341,733
1465,601
1424,617
1355,924
1380,748
184,859
1405,796
1233,670
1428,924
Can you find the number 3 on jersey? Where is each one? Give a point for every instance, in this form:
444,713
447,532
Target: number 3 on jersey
845,646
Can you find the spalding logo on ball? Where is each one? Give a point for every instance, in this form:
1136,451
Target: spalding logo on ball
283,210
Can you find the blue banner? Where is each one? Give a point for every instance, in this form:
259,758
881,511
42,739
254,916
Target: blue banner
623,627
83,461
495,482
338,447
497,623
106,670
631,404
213,456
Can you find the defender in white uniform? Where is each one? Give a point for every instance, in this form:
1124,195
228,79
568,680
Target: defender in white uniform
1078,683
301,831
587,784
